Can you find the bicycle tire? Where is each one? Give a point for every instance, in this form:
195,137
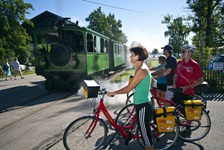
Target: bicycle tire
163,141
129,99
198,129
125,114
123,118
74,136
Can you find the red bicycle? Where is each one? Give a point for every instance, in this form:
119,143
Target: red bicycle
190,130
90,131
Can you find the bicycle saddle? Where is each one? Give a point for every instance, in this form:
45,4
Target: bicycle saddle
176,90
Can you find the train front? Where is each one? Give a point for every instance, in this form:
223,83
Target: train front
59,55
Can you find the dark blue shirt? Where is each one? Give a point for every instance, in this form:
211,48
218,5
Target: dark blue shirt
171,62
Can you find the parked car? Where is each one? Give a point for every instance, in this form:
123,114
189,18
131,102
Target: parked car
22,67
219,58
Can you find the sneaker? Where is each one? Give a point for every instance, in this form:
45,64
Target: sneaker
22,77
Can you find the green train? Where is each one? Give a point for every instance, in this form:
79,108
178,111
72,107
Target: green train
67,53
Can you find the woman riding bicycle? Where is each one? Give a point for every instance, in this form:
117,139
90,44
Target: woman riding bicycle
142,82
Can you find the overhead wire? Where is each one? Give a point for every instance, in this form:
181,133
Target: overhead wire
125,9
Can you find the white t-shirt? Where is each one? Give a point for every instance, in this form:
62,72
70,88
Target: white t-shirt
15,65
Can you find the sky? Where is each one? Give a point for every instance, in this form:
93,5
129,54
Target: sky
141,20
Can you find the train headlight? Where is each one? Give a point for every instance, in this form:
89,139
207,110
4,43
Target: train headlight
72,62
42,63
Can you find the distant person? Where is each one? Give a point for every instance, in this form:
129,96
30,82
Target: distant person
168,71
7,69
16,66
161,82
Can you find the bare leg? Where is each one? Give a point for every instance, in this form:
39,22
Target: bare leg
15,72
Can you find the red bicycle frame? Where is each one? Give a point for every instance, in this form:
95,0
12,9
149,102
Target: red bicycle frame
118,128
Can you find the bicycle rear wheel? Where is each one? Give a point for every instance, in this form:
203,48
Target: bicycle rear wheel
77,136
129,99
162,141
195,130
125,115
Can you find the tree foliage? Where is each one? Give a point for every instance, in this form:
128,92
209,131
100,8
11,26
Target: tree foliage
106,25
177,32
14,41
206,21
155,51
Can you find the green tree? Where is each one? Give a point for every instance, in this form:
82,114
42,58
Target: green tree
106,25
207,20
208,26
177,32
155,51
14,41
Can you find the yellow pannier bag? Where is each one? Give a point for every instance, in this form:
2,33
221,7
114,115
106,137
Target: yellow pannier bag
193,109
165,119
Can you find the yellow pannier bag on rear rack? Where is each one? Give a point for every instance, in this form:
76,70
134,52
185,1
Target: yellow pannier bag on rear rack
193,109
165,119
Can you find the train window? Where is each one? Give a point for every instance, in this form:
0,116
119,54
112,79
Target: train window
90,43
103,45
106,47
75,40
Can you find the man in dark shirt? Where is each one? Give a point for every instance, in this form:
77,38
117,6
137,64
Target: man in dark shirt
168,71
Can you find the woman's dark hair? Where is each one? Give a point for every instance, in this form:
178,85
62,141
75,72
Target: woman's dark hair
141,52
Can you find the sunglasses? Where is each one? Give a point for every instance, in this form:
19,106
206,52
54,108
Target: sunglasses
183,51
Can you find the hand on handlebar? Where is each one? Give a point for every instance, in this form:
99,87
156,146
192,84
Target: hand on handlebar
110,94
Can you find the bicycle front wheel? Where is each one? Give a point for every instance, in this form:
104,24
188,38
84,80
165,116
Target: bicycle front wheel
195,130
85,133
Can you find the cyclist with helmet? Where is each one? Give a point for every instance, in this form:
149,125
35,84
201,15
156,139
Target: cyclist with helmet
187,74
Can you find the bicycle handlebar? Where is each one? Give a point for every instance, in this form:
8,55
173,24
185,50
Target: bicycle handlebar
102,91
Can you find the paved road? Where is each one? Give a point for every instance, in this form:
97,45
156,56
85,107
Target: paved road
39,125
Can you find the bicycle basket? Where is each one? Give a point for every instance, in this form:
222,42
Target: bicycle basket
193,109
165,119
90,89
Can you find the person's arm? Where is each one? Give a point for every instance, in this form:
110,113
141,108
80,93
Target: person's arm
163,73
152,82
153,69
196,83
158,72
174,80
138,76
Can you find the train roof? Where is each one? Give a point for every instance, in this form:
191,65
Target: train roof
48,19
